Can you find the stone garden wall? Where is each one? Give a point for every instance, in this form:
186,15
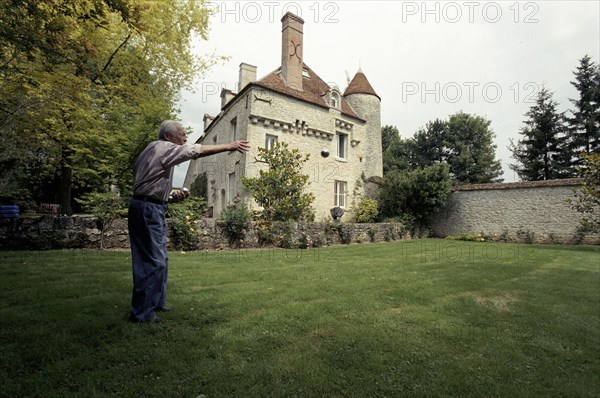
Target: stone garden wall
518,212
58,232
525,212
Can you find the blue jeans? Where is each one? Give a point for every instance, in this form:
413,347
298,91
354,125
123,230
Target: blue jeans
150,262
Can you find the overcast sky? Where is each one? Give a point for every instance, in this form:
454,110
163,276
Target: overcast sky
426,60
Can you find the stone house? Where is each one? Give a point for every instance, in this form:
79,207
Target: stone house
293,104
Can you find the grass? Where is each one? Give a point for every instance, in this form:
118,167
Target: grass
426,318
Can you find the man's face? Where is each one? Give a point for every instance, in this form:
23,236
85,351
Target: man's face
178,138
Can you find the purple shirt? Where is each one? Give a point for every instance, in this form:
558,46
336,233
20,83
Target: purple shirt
153,170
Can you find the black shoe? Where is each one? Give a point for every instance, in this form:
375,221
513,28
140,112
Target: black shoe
156,319
164,309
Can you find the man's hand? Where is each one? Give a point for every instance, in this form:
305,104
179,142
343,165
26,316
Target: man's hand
240,146
178,196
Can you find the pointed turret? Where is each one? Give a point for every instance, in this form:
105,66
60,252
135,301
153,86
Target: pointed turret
367,104
360,85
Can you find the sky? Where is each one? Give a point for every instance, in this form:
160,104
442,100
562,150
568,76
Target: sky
426,60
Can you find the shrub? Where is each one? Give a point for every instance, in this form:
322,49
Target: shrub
526,235
587,200
372,232
420,192
365,211
345,233
237,220
467,237
280,189
184,218
106,206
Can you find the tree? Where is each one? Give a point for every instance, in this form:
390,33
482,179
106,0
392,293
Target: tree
399,155
419,192
584,124
587,201
430,144
464,142
280,189
539,154
389,135
107,207
470,150
88,82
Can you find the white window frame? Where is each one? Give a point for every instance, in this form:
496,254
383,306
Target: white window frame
340,193
270,141
335,100
341,141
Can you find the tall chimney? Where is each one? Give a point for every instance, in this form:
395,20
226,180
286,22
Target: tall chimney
247,75
291,50
226,95
208,119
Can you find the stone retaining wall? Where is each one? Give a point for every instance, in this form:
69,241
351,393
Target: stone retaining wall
519,212
82,231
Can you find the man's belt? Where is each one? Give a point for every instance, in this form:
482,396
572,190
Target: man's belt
149,199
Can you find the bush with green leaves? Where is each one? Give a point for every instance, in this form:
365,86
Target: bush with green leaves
278,233
467,237
281,188
184,217
236,220
107,207
365,211
587,200
419,193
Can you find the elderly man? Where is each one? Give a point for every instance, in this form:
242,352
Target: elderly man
153,177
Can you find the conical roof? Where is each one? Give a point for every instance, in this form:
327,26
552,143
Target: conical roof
360,85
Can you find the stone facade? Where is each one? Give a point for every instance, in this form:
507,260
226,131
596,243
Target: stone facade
525,211
294,105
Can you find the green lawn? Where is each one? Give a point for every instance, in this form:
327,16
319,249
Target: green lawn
427,318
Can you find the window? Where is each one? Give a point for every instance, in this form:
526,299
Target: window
270,141
342,145
339,191
233,129
335,100
232,187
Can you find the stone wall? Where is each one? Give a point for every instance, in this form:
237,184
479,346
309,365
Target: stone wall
525,211
60,232
517,212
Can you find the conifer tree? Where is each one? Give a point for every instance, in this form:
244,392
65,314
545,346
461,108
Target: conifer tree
540,151
584,123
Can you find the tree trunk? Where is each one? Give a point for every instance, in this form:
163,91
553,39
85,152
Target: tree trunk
65,184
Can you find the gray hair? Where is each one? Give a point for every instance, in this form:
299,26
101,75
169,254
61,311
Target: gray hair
168,127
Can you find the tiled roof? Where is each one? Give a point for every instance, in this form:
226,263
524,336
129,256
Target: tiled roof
314,90
360,85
